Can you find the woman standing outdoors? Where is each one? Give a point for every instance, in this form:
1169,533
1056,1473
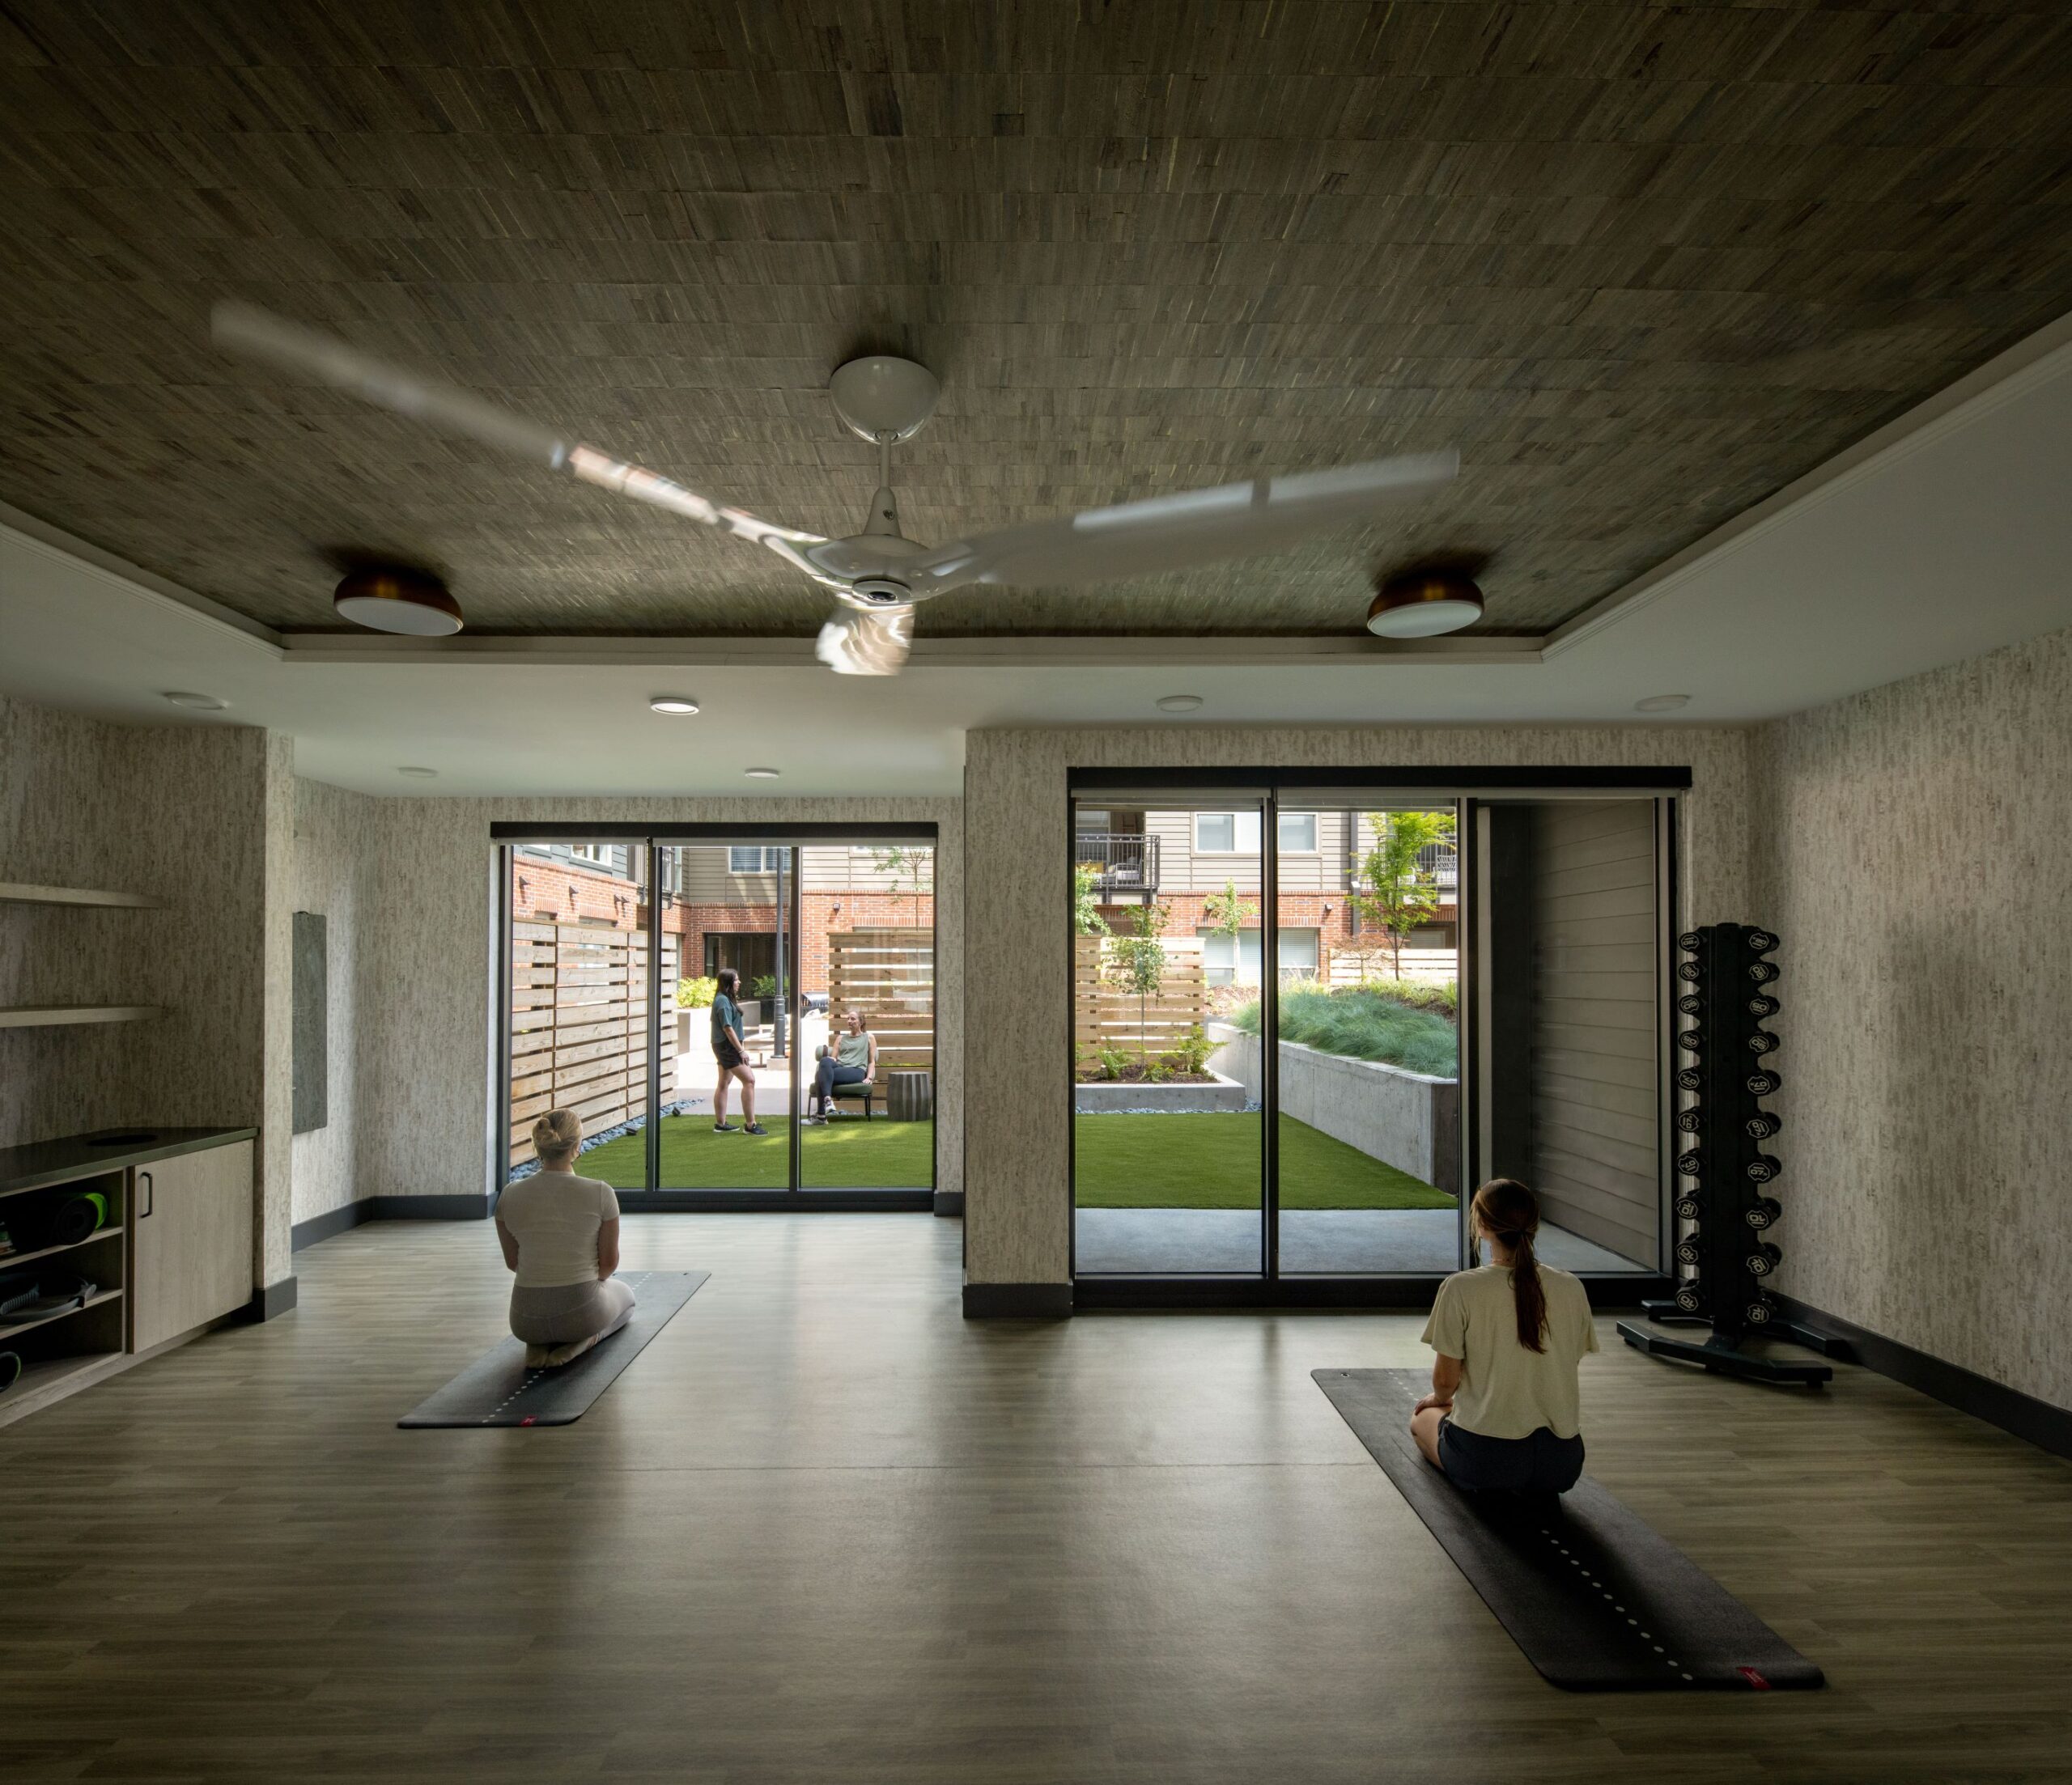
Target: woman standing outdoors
1504,1415
731,1057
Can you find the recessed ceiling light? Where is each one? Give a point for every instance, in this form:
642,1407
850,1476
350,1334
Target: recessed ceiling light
1661,703
673,703
198,703
761,774
1178,703
397,600
1424,604
418,774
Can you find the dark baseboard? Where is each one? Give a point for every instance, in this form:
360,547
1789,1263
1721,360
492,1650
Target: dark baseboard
2046,1427
269,1303
1017,1301
328,1225
949,1203
427,1208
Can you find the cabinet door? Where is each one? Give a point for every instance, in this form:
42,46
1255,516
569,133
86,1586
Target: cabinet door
194,1220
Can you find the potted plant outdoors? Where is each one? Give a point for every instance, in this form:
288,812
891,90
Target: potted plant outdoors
692,996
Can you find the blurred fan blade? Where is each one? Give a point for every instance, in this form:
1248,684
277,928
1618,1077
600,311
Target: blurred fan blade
1199,527
866,641
239,328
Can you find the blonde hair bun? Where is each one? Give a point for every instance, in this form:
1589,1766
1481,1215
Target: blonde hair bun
556,1135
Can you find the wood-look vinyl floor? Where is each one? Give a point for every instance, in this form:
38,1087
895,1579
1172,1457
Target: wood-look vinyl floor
826,1529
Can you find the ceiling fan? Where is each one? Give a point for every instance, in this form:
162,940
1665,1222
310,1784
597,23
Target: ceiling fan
877,575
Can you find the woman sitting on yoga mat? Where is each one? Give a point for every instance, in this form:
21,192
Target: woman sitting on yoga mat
1504,1416
559,1233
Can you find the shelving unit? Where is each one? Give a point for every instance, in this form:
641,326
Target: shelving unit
21,892
64,1352
36,1016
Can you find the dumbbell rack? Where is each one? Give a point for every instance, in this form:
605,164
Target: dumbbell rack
1725,991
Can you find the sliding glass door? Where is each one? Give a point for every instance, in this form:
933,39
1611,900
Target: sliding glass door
829,936
1308,1016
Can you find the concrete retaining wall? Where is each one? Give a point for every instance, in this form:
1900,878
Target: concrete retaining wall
1102,1098
1404,1119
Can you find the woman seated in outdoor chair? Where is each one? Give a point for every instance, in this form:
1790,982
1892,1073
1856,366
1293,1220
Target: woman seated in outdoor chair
852,1060
1504,1414
559,1234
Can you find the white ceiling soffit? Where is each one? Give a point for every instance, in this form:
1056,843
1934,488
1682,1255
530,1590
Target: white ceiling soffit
1945,535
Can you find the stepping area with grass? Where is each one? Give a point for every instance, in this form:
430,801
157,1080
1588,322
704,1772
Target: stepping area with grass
1124,1162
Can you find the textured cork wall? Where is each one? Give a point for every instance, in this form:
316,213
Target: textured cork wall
1018,1206
1914,851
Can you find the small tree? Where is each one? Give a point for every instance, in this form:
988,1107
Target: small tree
1136,962
1365,956
1086,918
1400,894
1226,913
904,864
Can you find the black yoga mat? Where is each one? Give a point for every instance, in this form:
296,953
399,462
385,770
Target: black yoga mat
498,1390
1598,1600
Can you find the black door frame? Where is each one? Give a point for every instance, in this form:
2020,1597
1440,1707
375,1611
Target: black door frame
1458,784
651,1199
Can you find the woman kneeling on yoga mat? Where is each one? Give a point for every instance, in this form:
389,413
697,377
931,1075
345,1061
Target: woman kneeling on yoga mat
1504,1416
559,1233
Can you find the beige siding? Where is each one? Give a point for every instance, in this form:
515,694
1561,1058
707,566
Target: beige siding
1596,1122
706,879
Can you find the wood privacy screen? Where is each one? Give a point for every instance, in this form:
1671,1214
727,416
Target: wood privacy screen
889,974
578,1021
1105,1015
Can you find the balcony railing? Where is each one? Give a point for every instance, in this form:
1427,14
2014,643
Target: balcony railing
1442,861
1128,862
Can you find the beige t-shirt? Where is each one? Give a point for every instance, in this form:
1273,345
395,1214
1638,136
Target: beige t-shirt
554,1217
1505,1390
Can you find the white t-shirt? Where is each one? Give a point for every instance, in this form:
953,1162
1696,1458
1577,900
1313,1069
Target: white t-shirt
554,1217
1505,1390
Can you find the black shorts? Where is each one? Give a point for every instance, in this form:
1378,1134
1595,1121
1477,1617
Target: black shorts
727,1054
1538,1463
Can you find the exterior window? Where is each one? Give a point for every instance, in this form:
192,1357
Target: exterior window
1298,834
753,860
1226,834
1234,960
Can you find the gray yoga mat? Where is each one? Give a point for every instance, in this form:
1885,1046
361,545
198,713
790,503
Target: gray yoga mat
1597,1599
498,1390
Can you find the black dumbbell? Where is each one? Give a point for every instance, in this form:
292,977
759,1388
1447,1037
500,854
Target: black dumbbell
1759,942
1762,1041
1762,1125
1690,1004
1761,1006
1762,1168
1763,1260
1689,1078
1691,1121
1765,1084
1759,1311
1689,1206
1765,1211
1691,942
1691,1165
1692,1041
1692,971
1762,972
1690,1250
1690,1295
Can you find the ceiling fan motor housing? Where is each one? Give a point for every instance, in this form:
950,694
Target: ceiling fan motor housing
880,592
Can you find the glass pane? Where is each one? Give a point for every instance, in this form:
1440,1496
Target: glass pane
727,909
1166,1174
578,1020
1369,1049
1298,832
867,1041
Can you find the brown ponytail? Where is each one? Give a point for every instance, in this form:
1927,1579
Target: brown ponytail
1510,1212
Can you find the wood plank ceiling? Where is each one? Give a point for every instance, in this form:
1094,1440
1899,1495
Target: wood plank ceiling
1644,264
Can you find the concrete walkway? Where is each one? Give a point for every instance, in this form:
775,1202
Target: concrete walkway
1338,1242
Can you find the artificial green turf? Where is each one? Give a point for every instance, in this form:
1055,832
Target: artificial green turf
1212,1162
848,1154
1123,1162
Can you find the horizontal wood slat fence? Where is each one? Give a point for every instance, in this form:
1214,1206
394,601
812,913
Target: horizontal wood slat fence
1106,1015
887,973
579,1023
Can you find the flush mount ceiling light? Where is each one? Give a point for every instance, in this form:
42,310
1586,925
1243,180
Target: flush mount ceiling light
1661,703
1179,703
673,703
389,599
417,774
197,703
1424,604
761,774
